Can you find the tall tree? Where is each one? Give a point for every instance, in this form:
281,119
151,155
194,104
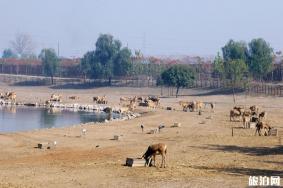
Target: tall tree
108,59
236,71
122,63
85,64
23,45
8,53
50,62
260,58
177,76
106,50
218,66
234,50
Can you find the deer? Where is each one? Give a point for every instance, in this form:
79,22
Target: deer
152,151
262,115
262,126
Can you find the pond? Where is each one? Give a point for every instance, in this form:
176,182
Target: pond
14,119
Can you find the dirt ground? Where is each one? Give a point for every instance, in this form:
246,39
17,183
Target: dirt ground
201,153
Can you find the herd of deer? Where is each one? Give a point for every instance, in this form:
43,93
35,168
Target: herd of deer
247,115
132,102
195,105
251,115
8,96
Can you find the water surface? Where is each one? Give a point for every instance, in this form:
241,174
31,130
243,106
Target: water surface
14,119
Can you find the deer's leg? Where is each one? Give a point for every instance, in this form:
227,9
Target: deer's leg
164,156
257,131
162,160
154,159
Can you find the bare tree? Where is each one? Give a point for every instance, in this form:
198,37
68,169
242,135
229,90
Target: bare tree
23,45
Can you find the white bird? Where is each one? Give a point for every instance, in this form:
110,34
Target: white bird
83,131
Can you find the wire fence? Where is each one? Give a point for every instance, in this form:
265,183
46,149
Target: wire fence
265,89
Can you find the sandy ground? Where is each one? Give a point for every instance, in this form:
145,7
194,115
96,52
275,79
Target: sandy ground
199,155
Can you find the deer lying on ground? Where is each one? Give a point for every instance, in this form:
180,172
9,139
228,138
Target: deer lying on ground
152,151
73,97
55,98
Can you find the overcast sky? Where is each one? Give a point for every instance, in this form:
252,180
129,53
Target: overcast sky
156,27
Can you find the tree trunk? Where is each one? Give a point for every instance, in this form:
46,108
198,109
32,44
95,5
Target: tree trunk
110,81
234,97
177,91
84,78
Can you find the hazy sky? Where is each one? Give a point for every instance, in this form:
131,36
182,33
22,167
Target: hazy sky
157,27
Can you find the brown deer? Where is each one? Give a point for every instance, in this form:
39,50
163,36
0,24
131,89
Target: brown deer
184,105
11,96
152,151
56,98
254,108
262,126
246,120
262,115
73,97
233,114
100,100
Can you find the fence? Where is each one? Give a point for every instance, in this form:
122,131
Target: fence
265,89
41,80
251,89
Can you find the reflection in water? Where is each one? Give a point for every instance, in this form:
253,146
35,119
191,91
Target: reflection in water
30,118
10,109
47,118
54,110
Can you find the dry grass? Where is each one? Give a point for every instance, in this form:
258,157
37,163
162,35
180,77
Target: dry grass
199,155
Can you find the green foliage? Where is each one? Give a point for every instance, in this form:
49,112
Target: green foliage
178,76
107,60
123,65
236,71
260,58
85,64
233,65
8,53
106,50
218,66
234,50
50,62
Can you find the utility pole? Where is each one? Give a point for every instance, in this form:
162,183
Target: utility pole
58,49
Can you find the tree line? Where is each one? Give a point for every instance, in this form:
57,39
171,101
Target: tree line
239,62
